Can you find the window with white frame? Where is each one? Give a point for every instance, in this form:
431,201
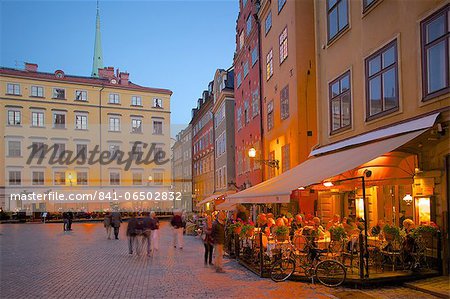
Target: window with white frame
114,178
59,150
285,157
157,103
136,101
157,127
255,103
113,151
13,88
14,118
37,118
284,101
136,125
59,178
37,91
241,40
82,178
114,124
114,98
82,150
37,178
268,22
158,178
81,121
239,118
246,112
283,45
249,24
59,120
254,55
239,79
38,148
136,150
270,115
59,93
14,148
15,178
269,65
81,95
137,178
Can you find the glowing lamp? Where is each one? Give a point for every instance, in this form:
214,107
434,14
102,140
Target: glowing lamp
252,152
328,184
408,199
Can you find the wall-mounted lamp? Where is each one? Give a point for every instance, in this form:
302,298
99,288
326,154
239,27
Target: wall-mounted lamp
408,199
270,163
328,184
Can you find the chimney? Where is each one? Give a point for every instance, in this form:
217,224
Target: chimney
123,78
31,67
106,72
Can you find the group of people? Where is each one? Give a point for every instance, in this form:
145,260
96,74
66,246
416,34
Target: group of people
213,236
112,221
67,220
145,228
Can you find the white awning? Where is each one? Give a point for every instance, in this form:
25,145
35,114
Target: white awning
208,199
316,169
410,126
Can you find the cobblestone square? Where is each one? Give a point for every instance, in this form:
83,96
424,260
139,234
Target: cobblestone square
42,261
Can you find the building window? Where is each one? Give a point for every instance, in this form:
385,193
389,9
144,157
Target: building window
285,157
284,102
15,178
82,150
268,22
136,151
244,2
269,65
137,178
435,48
281,5
12,88
37,91
283,45
114,98
157,127
241,40
81,122
269,116
239,79
37,178
38,148
136,125
136,101
59,178
113,151
246,112
158,178
245,69
82,178
340,105
14,118
239,118
14,149
382,81
37,119
254,55
271,169
59,93
337,17
81,95
114,124
249,24
114,178
59,150
255,103
368,3
157,103
59,120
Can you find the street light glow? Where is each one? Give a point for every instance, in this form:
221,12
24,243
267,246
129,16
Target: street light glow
252,152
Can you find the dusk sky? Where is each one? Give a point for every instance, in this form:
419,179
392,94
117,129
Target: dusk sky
169,44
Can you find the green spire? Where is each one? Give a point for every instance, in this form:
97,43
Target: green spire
98,55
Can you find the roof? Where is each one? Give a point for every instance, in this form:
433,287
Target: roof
79,79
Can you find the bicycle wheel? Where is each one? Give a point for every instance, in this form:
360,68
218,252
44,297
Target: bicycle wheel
282,269
330,273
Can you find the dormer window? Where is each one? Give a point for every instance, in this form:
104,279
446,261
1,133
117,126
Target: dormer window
59,93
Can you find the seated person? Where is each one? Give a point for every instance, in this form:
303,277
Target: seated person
377,229
408,226
318,228
336,221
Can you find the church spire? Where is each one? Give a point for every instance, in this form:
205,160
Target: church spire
98,55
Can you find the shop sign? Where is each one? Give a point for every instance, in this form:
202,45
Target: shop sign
423,187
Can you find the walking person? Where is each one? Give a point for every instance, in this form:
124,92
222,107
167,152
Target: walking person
131,233
218,235
70,218
208,241
116,219
177,224
148,227
107,225
65,217
155,231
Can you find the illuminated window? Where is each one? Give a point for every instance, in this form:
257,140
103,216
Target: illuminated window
283,45
269,65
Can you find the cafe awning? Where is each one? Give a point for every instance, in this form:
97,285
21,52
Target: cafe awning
215,196
316,169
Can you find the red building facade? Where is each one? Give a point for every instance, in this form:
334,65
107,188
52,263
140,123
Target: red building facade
247,92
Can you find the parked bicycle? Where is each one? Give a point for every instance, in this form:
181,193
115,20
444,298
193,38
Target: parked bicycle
307,258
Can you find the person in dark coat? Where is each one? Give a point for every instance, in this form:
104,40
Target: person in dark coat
131,233
218,235
116,219
65,217
70,218
177,224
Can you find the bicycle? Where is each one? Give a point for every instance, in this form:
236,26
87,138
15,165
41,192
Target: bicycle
328,272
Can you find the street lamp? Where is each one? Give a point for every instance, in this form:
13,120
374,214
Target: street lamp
70,178
270,163
149,180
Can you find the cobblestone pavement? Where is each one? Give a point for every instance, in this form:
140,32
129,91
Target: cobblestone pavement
40,260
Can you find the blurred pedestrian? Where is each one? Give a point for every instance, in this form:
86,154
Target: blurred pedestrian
147,232
155,231
208,240
177,224
131,233
218,235
70,219
116,219
107,225
65,217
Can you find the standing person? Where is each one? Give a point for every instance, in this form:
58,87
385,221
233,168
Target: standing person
116,219
177,224
208,241
107,225
70,219
65,217
218,235
148,228
131,233
155,231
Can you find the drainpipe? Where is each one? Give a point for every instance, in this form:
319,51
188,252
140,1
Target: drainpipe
100,129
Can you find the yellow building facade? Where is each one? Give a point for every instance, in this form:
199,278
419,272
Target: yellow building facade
91,118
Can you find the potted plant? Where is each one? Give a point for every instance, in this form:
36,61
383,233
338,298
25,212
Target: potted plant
426,231
337,233
236,227
391,232
281,233
247,230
